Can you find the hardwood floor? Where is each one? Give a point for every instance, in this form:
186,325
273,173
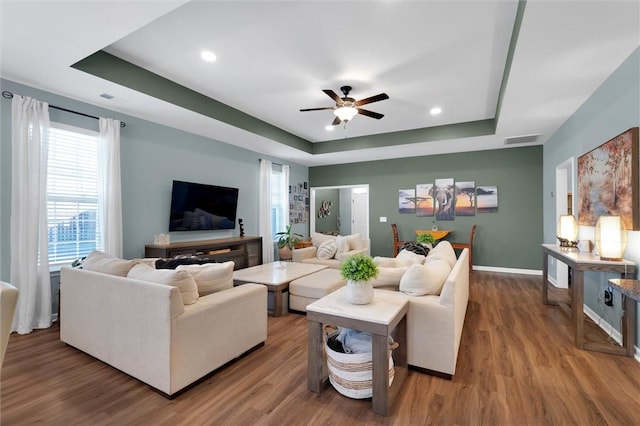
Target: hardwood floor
517,366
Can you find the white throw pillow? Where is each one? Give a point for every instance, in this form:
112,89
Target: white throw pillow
181,279
98,261
347,242
425,279
443,250
408,258
327,250
317,238
210,277
387,262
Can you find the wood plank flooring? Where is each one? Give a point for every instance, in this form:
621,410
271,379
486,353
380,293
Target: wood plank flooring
517,366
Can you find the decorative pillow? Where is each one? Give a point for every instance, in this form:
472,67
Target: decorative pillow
98,261
347,242
416,248
182,260
212,277
425,279
181,279
443,250
327,250
408,258
317,238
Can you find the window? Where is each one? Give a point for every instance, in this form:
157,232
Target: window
72,194
278,199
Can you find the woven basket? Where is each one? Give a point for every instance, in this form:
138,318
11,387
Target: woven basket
352,374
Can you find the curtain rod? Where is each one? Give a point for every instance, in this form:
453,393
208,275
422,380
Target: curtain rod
8,95
277,164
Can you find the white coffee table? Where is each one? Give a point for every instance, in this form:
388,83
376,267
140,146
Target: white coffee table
276,276
386,313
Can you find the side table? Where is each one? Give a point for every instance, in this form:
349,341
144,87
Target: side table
630,290
386,313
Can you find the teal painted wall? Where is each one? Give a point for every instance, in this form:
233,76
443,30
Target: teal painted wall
327,223
152,156
613,108
510,238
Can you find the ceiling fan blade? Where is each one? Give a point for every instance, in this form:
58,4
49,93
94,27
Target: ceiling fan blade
333,95
376,98
336,121
316,109
371,114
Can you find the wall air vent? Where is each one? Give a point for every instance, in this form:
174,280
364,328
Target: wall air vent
107,96
514,140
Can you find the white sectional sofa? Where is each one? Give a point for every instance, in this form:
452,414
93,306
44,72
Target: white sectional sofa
434,321
145,329
331,250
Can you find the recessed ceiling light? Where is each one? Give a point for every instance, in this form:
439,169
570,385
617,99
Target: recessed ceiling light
329,128
435,110
208,56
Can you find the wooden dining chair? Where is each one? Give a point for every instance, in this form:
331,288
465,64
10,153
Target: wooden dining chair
396,241
468,245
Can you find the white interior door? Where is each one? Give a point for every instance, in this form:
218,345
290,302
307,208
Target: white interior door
360,212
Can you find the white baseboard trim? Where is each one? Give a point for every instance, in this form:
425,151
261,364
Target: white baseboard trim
508,270
609,329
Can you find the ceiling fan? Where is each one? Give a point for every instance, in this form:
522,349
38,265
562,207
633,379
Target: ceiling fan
346,107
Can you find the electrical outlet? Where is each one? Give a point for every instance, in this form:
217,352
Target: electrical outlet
608,296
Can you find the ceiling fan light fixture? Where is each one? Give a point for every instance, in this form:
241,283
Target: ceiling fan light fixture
345,113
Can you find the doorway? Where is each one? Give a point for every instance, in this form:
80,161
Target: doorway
353,208
564,205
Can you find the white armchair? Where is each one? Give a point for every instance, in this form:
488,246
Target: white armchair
8,301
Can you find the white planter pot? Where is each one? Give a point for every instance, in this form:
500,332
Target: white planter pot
359,292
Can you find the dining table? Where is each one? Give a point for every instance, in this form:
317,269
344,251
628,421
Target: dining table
437,234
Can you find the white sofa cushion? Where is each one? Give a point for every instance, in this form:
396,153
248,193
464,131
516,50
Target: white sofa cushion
327,249
346,243
317,238
425,279
181,279
98,261
210,277
443,250
408,258
388,276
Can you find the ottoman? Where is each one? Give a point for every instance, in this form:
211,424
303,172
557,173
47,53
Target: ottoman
310,288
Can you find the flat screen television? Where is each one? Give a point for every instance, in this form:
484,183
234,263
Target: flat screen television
200,207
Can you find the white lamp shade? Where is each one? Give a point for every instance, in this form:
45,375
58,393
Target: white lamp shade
568,227
345,113
611,237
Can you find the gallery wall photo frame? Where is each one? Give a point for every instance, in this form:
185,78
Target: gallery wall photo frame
608,181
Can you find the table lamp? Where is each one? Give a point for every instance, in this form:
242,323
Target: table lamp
611,237
567,231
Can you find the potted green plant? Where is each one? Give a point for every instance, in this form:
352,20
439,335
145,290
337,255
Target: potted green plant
358,270
286,240
426,239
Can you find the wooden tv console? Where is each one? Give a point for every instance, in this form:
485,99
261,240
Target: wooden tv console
244,251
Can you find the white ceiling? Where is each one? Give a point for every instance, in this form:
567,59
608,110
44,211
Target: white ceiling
275,57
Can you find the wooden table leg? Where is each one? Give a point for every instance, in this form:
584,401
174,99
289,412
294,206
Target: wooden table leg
577,309
277,303
314,357
628,325
380,365
545,278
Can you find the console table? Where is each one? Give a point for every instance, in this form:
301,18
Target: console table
580,262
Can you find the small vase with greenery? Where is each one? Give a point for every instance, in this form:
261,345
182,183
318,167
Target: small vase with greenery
426,239
286,240
358,270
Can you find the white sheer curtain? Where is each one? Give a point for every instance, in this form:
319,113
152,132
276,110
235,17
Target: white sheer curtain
109,190
264,209
284,193
29,251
